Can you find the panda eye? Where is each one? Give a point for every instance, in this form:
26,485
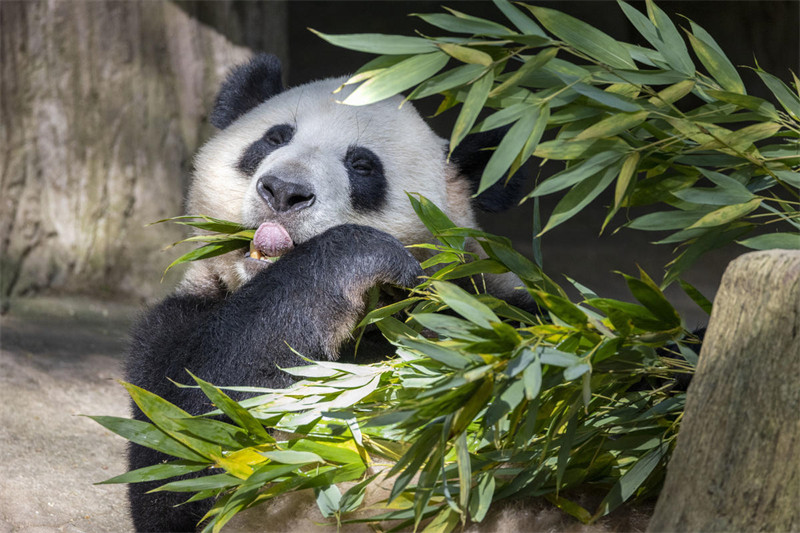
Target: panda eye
279,135
362,166
362,161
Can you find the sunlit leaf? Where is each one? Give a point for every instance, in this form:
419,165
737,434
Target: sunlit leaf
472,106
786,241
397,78
584,37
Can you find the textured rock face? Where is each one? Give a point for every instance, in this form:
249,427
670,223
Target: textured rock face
103,105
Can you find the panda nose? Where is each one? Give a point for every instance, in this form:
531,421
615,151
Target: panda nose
284,196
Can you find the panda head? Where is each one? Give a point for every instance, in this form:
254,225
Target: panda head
298,162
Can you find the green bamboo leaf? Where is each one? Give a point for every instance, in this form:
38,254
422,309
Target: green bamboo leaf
456,77
576,173
328,500
640,77
643,25
465,304
785,241
696,296
435,220
604,98
518,18
726,214
337,451
788,99
669,220
649,295
570,507
213,482
233,410
569,149
532,379
464,469
466,54
632,480
507,401
371,68
626,175
482,497
509,148
670,44
473,268
437,352
156,472
740,140
209,250
580,196
464,24
502,117
562,308
673,93
565,449
575,371
720,68
715,196
445,521
166,417
377,43
446,325
354,496
753,103
614,124
473,104
532,143
531,64
622,312
146,434
716,238
291,457
584,37
204,222
397,78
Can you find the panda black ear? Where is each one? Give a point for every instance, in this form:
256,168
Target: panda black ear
245,87
471,158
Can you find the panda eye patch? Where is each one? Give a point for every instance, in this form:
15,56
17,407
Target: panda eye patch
367,180
274,138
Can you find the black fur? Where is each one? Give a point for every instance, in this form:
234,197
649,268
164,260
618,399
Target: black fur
367,181
245,87
471,157
242,338
274,138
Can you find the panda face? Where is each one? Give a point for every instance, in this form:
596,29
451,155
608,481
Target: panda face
303,162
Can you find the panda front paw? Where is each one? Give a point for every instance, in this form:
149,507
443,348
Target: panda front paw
360,257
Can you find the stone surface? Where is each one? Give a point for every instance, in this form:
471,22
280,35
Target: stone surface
59,359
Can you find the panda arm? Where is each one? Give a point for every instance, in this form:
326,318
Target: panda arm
308,300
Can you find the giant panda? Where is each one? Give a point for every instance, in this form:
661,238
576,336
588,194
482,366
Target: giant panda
325,184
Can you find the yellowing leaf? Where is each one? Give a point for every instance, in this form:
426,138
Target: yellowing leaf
726,214
465,54
616,123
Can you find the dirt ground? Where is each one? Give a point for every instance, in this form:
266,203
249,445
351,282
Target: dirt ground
59,359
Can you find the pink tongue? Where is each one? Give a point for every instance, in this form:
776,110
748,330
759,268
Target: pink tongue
272,240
